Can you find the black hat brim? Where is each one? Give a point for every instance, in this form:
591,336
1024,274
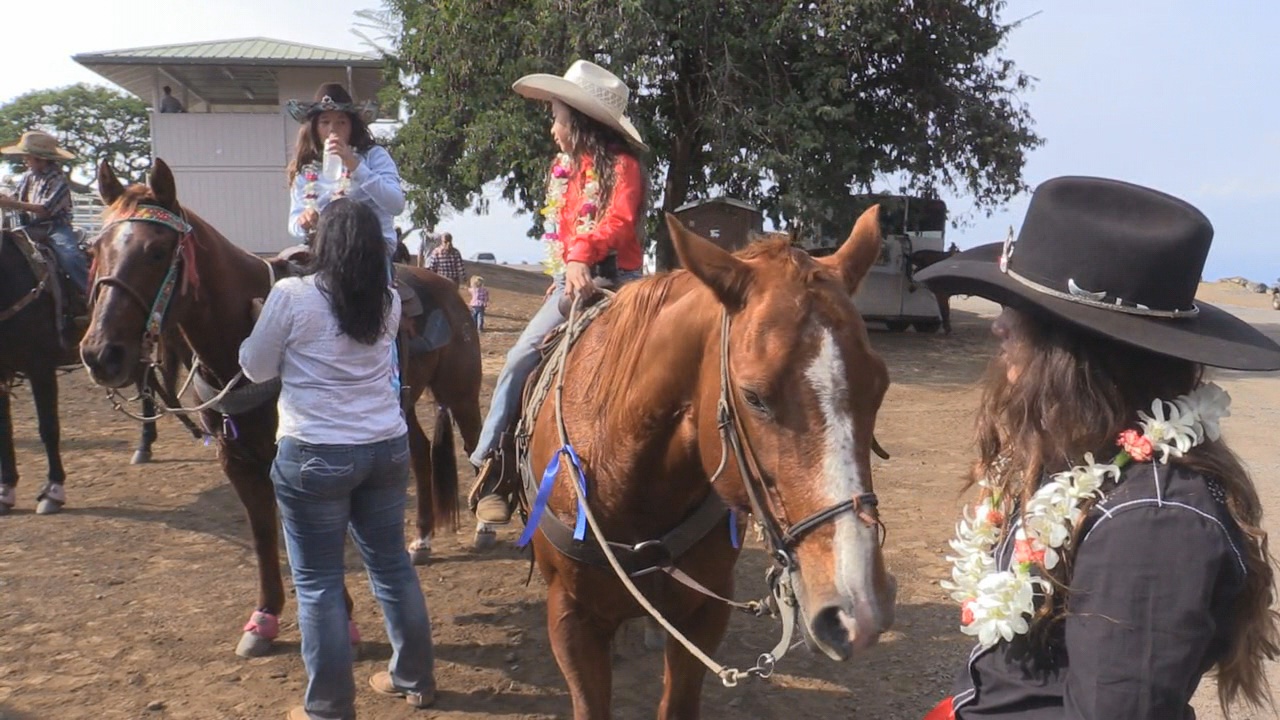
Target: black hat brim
1213,337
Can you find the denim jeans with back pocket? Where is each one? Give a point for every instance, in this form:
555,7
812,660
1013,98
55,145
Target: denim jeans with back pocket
323,491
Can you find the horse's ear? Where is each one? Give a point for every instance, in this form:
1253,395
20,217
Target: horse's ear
856,255
727,276
109,187
162,185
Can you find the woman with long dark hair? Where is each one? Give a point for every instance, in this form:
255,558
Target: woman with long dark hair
1115,553
342,461
594,214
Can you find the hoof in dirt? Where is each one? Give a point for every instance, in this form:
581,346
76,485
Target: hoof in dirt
5,509
140,457
253,645
485,540
420,552
48,507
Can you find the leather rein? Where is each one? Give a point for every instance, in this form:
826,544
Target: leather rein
781,535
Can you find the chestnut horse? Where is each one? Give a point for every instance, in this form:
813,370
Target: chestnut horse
31,348
138,256
652,403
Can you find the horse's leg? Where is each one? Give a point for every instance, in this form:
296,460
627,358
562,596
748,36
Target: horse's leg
467,416
8,462
581,647
420,458
44,388
253,486
683,673
143,454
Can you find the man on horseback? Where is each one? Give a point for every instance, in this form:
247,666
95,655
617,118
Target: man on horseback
594,212
44,201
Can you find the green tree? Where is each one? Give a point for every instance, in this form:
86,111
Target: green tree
90,121
789,105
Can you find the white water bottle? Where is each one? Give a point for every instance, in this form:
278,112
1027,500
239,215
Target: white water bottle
332,169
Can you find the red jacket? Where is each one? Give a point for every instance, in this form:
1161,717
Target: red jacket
615,227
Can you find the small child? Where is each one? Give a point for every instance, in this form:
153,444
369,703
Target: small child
479,301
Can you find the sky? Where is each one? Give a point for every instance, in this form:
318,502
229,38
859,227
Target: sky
1177,95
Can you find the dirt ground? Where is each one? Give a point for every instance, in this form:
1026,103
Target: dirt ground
129,604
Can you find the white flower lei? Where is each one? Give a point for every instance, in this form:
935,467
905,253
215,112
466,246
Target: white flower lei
557,186
997,604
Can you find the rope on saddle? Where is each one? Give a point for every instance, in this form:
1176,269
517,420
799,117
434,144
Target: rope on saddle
549,375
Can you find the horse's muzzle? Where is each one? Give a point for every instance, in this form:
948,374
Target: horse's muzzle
106,364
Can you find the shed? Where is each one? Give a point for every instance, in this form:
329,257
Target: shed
725,221
229,150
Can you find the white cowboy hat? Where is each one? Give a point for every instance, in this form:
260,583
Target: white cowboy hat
589,88
39,144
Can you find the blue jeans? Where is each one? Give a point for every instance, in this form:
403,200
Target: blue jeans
477,316
522,360
73,260
321,491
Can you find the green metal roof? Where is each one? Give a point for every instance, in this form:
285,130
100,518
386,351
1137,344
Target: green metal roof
243,51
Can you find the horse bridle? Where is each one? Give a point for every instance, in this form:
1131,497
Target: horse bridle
782,537
157,309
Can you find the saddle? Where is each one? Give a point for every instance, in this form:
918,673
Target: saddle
508,471
70,306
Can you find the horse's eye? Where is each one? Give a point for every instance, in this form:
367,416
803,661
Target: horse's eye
754,400
158,255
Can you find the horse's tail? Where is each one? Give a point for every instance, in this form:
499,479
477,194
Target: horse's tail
444,471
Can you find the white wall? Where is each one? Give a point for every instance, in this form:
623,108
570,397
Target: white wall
230,170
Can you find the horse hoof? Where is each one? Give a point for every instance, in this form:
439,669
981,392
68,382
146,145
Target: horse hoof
5,509
48,507
485,540
140,457
420,552
253,645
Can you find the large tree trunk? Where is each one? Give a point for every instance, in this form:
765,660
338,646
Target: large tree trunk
684,151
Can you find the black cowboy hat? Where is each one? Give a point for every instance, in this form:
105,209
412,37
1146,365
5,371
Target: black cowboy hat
332,96
1115,259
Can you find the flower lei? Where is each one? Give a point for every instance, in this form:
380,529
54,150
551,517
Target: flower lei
311,195
557,186
996,604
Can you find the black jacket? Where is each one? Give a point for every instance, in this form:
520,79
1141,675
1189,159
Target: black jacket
1159,566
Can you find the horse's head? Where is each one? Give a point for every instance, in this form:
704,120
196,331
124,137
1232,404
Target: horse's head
804,386
137,259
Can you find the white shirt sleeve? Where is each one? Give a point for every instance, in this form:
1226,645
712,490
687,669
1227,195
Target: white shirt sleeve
262,353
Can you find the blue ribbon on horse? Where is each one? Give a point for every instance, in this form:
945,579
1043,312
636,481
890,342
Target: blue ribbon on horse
733,529
544,496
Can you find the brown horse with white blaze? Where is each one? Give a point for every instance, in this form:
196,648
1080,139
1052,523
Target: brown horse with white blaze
761,351
153,256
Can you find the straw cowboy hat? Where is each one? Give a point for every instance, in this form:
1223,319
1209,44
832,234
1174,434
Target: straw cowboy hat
589,88
1115,259
38,144
332,96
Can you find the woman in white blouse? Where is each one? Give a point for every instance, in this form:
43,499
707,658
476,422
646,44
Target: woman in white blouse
343,457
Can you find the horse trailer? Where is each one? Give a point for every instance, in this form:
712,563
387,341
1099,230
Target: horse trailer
914,232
